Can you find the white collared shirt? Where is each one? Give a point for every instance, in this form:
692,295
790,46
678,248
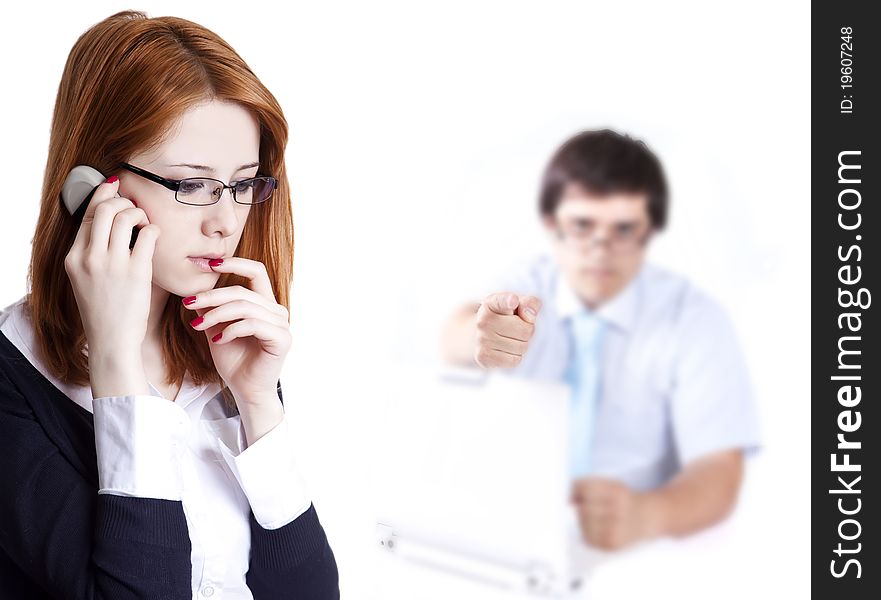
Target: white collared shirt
674,384
190,450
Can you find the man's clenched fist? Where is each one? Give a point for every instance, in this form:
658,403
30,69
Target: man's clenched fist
611,515
505,324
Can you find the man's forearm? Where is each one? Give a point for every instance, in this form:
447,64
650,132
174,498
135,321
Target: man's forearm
704,493
459,337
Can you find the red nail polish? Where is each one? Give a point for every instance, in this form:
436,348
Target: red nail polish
189,300
216,337
215,262
196,321
112,179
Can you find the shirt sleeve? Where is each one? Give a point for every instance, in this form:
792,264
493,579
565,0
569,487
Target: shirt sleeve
268,474
139,441
713,406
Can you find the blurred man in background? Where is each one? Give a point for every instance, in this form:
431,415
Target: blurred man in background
662,408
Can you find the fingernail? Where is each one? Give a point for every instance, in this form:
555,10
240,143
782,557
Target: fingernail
189,300
530,311
215,262
196,321
112,179
216,337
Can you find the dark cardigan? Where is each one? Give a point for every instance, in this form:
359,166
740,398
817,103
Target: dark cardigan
59,538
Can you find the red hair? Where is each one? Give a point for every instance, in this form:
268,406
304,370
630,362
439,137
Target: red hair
127,80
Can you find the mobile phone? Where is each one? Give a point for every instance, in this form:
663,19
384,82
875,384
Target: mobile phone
77,192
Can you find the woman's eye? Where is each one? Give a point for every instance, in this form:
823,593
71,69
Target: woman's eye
190,186
244,186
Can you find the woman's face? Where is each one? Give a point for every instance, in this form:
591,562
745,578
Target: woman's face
225,138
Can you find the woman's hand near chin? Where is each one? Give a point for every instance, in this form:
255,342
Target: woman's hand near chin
249,338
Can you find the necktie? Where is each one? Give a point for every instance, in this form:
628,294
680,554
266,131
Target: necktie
583,374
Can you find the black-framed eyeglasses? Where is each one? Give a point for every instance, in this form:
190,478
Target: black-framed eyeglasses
203,191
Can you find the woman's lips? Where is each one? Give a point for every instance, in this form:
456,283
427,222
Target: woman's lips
202,263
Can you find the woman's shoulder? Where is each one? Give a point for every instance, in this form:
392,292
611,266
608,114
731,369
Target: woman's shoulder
33,408
15,339
15,325
13,385
21,361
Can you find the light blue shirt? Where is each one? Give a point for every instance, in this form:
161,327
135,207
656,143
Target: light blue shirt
674,384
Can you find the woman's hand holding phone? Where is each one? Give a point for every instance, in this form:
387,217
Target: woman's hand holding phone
112,287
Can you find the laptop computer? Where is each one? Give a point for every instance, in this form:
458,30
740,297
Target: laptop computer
472,479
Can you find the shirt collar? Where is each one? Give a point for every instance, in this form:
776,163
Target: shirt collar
621,310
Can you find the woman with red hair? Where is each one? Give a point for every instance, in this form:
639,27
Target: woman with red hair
144,445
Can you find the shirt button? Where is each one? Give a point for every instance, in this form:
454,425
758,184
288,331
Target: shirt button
208,591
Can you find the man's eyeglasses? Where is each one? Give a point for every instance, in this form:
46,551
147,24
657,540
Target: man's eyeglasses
202,191
583,234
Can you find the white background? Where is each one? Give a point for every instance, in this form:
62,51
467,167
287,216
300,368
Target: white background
418,133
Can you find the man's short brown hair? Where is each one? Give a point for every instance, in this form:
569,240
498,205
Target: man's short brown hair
604,162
